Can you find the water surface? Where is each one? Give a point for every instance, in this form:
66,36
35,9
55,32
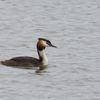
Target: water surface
74,67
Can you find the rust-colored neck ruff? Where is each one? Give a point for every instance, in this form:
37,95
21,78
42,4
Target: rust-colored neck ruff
40,45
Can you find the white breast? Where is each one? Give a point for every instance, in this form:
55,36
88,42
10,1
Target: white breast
44,57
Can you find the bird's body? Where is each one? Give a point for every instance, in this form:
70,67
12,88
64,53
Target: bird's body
25,61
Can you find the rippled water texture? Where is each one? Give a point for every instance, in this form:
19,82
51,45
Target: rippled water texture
74,67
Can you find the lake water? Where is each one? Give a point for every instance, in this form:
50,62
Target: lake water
74,66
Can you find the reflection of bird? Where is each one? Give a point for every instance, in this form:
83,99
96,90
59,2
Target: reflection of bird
25,61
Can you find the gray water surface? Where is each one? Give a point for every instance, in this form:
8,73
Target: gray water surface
73,26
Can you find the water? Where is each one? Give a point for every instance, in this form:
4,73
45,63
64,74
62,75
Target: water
74,67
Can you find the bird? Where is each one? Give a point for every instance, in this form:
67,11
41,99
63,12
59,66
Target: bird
26,61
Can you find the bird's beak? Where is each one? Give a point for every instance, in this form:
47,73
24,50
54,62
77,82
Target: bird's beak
52,46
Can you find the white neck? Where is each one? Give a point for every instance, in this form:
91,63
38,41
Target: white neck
43,57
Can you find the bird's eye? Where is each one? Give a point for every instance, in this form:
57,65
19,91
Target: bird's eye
47,42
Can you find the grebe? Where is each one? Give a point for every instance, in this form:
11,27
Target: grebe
25,61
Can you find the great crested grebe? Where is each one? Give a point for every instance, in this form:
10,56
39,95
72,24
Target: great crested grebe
25,61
